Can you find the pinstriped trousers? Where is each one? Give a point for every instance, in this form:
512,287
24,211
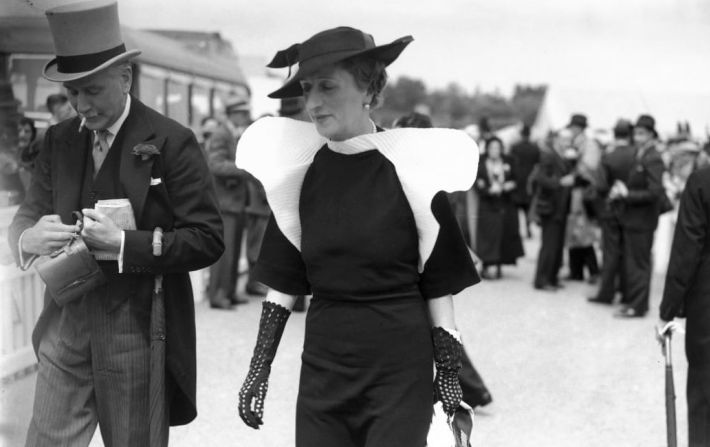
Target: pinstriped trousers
94,365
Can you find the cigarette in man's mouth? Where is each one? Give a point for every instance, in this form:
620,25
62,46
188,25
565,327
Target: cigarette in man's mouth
83,123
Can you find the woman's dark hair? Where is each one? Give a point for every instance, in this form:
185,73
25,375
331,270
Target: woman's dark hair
54,99
24,121
370,75
414,119
492,140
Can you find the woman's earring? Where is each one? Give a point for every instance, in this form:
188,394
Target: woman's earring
367,106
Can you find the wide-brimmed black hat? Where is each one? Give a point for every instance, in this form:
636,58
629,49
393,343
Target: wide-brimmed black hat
578,120
648,123
329,47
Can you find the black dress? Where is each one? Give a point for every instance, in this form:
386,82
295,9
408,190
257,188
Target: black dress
498,238
366,378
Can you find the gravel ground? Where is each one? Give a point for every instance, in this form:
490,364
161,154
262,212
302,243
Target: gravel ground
562,372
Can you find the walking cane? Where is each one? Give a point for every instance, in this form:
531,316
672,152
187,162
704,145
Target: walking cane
158,423
670,391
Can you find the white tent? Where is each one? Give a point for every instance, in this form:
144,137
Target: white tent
604,107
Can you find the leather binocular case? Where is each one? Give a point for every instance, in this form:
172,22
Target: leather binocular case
70,272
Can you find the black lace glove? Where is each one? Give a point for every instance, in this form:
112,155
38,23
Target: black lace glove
253,392
447,355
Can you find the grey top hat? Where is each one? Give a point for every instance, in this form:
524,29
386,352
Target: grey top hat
87,39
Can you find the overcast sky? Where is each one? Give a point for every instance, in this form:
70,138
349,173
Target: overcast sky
661,44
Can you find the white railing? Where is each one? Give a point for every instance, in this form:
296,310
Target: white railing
22,300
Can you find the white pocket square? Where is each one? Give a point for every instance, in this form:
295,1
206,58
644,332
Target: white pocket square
155,181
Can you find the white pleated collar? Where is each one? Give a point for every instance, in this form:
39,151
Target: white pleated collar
279,151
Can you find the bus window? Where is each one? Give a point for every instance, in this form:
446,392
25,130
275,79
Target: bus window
178,94
151,84
200,103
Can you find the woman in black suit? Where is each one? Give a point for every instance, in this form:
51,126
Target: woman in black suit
359,221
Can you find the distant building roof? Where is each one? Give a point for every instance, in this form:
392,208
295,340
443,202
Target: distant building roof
200,41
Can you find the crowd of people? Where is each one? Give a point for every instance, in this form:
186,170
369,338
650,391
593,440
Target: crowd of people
332,206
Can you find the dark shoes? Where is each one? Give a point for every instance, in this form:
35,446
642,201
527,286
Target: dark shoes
547,287
597,300
629,312
256,288
236,299
220,301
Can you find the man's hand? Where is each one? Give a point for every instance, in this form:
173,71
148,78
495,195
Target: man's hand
567,180
100,232
663,327
47,235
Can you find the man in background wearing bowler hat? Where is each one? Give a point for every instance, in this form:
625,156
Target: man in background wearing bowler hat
639,198
94,352
233,196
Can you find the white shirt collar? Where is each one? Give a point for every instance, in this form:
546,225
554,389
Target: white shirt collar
116,126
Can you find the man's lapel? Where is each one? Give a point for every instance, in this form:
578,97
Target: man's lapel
135,169
71,165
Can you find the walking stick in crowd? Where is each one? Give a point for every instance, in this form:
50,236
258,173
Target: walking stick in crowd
158,410
670,390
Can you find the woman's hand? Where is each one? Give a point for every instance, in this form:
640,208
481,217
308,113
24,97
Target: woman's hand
271,327
252,396
448,352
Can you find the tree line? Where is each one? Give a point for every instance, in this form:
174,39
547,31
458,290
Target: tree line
454,107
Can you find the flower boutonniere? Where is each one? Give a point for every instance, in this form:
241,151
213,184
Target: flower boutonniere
145,150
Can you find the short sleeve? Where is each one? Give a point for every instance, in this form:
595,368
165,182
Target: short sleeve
450,267
280,265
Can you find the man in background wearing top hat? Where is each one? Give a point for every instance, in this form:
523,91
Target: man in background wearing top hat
94,352
233,196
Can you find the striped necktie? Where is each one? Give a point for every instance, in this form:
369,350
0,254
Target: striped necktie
100,149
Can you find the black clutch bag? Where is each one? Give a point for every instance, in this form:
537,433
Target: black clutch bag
70,272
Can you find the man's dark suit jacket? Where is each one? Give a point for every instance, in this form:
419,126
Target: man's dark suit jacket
553,198
645,184
687,288
231,183
616,165
526,155
183,204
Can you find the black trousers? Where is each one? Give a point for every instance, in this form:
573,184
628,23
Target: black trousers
698,395
612,271
580,257
223,273
637,246
549,259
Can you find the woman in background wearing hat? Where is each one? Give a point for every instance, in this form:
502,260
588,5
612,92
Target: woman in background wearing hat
358,221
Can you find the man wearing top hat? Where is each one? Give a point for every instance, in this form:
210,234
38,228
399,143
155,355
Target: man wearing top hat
94,352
